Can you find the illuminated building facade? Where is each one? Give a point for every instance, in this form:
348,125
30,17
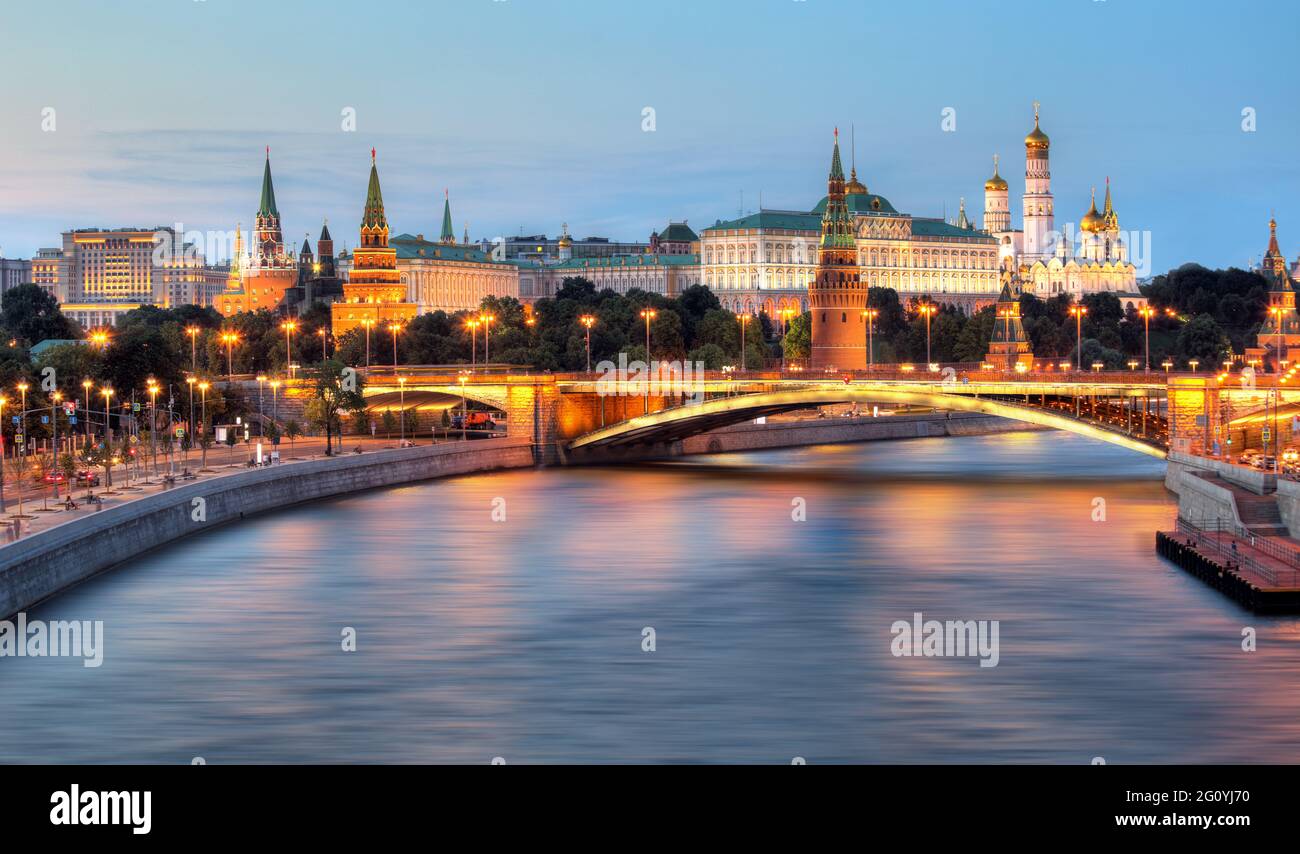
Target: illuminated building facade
837,296
260,276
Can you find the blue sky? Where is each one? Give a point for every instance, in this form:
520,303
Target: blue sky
530,112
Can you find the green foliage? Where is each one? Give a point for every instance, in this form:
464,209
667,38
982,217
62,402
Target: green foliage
30,314
797,343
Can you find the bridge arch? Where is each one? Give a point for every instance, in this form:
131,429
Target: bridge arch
670,425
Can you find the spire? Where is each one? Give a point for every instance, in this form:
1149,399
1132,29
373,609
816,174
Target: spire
962,221
267,207
325,231
1272,238
854,186
837,168
448,233
466,240
1108,216
374,215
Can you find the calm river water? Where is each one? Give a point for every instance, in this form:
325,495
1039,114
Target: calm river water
522,638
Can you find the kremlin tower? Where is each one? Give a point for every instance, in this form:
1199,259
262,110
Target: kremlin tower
837,298
1009,345
1281,330
997,210
374,294
260,280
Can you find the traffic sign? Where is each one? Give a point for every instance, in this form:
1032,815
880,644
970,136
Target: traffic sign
180,432
72,419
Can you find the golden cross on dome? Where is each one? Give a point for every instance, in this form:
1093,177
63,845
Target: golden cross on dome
1036,105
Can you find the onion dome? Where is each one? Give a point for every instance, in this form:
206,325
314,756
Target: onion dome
1092,221
997,182
565,239
1037,140
854,187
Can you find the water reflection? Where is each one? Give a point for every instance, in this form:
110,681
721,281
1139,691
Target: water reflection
522,638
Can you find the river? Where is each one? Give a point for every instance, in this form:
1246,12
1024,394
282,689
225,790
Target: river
503,615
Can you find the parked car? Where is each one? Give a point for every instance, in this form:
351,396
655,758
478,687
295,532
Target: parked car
85,477
1290,455
55,476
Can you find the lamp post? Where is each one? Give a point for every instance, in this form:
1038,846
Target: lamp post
928,309
472,326
647,314
401,412
203,421
324,343
1078,311
744,317
108,431
193,332
55,397
587,320
153,423
395,328
229,339
288,326
275,400
1147,313
367,323
22,430
871,314
487,321
87,384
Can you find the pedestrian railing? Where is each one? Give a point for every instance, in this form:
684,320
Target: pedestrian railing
1208,536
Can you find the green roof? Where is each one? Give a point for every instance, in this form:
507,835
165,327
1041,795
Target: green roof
793,220
410,246
448,233
267,207
938,228
860,203
374,213
678,232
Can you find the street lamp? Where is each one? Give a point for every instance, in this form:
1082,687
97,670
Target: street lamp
275,400
1097,366
1078,311
229,339
927,309
487,320
401,414
1147,313
472,325
1132,364
153,423
193,332
288,326
203,421
647,314
744,317
55,397
367,323
1167,364
395,328
871,314
87,385
1193,363
1277,313
324,343
587,320
100,338
3,401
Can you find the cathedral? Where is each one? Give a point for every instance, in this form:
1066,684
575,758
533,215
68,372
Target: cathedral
1048,261
1281,330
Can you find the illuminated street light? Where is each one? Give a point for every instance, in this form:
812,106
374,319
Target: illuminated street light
289,327
229,339
927,310
487,320
1147,313
472,325
1078,311
395,328
587,320
871,314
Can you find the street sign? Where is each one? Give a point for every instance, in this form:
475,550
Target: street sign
135,439
135,407
45,419
180,432
72,419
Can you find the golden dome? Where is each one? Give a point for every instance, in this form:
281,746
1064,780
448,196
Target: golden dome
997,182
854,187
565,240
1036,138
1092,221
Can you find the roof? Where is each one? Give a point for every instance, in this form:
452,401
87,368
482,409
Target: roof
793,220
411,247
678,232
860,203
267,206
374,213
48,343
922,227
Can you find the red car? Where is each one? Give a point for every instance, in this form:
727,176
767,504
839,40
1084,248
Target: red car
53,476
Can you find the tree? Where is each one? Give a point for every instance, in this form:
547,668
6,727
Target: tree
389,420
30,313
797,343
337,388
292,430
1202,339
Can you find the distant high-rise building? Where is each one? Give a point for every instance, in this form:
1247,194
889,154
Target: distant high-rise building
14,272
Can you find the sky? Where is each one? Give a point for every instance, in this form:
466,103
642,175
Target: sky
532,113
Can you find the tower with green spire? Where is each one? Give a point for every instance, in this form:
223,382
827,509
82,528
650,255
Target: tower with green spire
268,240
448,235
837,298
374,295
